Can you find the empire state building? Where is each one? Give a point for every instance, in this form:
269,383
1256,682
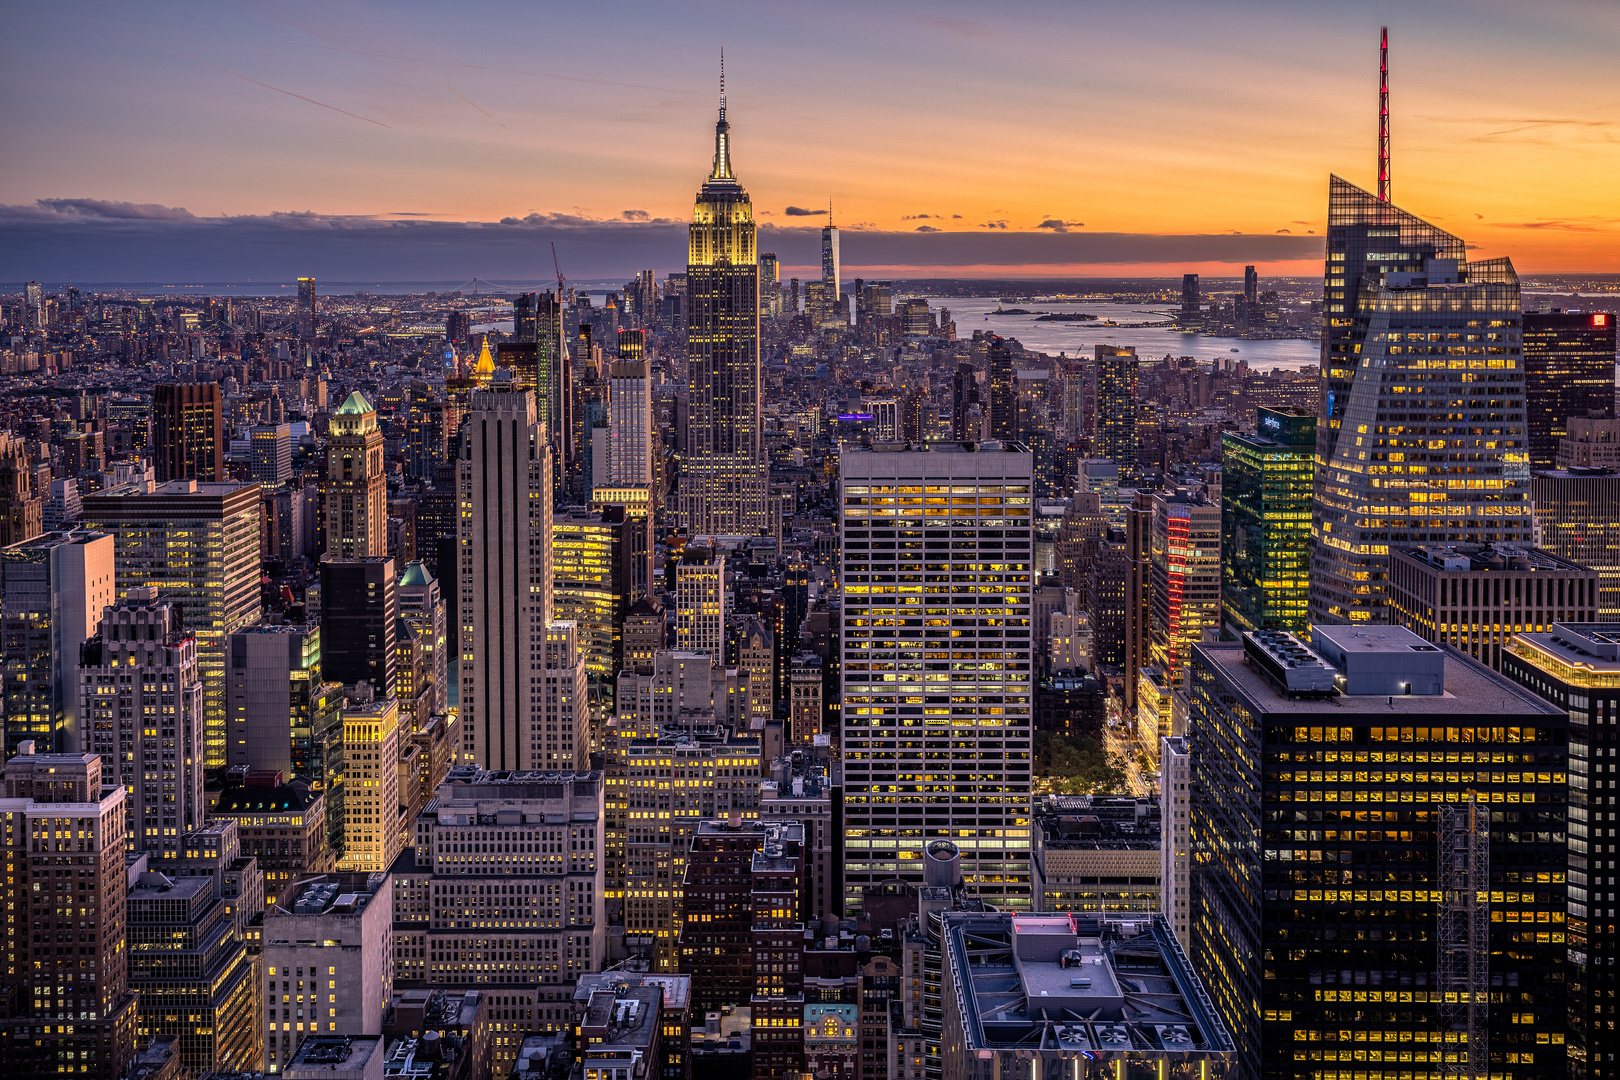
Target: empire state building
724,480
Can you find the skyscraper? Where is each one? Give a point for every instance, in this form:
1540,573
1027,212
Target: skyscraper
198,545
140,688
356,519
1421,436
1004,419
1251,285
1266,521
830,271
272,453
723,485
1190,299
1568,372
953,685
68,1018
518,666
22,504
1117,371
964,395
630,427
188,432
1319,813
53,590
700,602
359,622
1186,577
306,309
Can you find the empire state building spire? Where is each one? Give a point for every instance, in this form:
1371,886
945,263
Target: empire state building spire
721,173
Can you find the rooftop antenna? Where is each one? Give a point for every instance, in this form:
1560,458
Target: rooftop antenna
722,82
829,210
1383,114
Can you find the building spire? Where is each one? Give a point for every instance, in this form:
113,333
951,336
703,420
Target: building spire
722,133
1383,114
829,211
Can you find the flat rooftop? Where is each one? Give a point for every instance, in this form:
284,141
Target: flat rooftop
1470,688
1481,559
1077,984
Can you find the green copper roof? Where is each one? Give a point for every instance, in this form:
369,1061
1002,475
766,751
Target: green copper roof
354,405
416,574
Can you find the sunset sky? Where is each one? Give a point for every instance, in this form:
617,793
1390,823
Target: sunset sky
228,141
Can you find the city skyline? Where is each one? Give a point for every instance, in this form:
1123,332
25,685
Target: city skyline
363,143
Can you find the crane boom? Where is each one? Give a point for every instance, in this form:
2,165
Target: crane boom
558,267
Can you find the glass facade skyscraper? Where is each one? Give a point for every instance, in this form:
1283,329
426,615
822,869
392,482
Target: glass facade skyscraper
1266,521
1422,433
1568,372
1117,372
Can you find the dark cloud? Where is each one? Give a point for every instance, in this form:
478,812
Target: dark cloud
958,217
635,215
94,240
918,217
799,211
999,224
1288,231
1059,225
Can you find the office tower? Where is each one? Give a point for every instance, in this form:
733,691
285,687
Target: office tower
359,622
1266,521
372,831
964,395
140,690
976,530
1327,785
62,506
723,483
533,867
22,506
67,1017
1190,299
1396,289
804,702
1004,413
916,416
53,591
421,609
192,973
590,559
281,712
630,426
356,491
272,453
770,284
1137,554
717,934
644,635
915,318
282,826
525,319
198,545
1175,837
700,602
1475,598
1575,664
1578,515
523,692
188,432
671,782
1568,374
430,430
756,657
1251,285
305,315
1117,372
326,957
1589,443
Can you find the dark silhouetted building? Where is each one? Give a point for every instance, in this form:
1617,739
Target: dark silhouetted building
359,615
1568,372
188,432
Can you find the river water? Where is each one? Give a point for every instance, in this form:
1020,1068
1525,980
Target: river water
1078,338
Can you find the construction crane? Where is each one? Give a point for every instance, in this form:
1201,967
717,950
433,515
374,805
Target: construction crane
558,267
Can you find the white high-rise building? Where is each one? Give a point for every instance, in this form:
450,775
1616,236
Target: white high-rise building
700,602
937,663
630,429
1175,843
519,705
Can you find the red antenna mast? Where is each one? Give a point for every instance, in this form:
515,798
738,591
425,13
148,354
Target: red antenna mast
1383,114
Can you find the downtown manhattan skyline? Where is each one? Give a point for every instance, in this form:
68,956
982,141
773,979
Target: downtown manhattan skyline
1027,142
